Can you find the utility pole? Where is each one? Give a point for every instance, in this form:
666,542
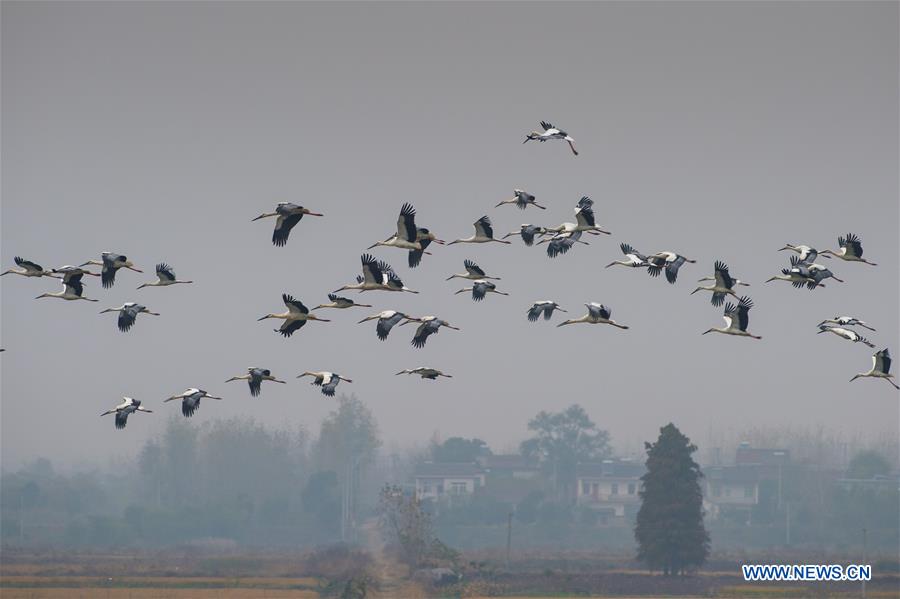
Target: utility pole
864,559
787,534
508,538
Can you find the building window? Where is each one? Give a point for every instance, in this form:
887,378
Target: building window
748,491
632,488
614,489
457,488
716,490
426,488
585,487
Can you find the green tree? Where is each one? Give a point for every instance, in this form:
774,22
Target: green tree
321,497
562,440
868,464
670,533
458,449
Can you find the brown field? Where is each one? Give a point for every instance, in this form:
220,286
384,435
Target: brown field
148,593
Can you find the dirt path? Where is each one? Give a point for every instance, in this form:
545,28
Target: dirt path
392,576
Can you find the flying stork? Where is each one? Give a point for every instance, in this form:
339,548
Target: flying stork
484,233
584,214
562,242
288,215
848,334
881,368
128,314
73,289
633,258
377,275
799,275
425,238
850,249
807,253
522,199
481,288
736,319
27,268
425,372
671,261
296,316
551,132
542,306
341,303
326,380
473,272
596,314
165,276
407,235
724,285
190,400
111,263
527,232
386,321
428,325
125,408
846,321
254,377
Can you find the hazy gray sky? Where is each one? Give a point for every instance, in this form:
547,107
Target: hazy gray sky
719,130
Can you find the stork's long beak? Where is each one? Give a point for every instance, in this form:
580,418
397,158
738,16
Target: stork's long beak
264,215
153,313
837,279
787,247
706,331
439,241
366,319
561,310
695,291
130,267
264,317
314,214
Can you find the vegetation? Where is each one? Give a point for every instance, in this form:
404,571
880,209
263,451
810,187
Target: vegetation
670,532
563,439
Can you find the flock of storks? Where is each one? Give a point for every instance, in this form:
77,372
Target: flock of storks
377,275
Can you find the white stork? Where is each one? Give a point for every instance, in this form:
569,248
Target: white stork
377,275
481,288
543,306
73,289
484,233
288,215
111,263
326,380
562,242
473,272
190,400
799,275
425,372
254,377
807,253
428,325
584,214
128,313
165,276
881,368
551,132
27,268
724,285
846,321
633,258
341,303
296,316
527,232
596,314
129,406
407,235
386,321
736,319
847,334
425,238
671,261
850,249
522,199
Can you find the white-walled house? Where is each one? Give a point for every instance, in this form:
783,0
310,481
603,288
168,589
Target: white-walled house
437,480
734,488
611,487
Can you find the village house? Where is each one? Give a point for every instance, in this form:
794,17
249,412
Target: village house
611,488
438,480
731,490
